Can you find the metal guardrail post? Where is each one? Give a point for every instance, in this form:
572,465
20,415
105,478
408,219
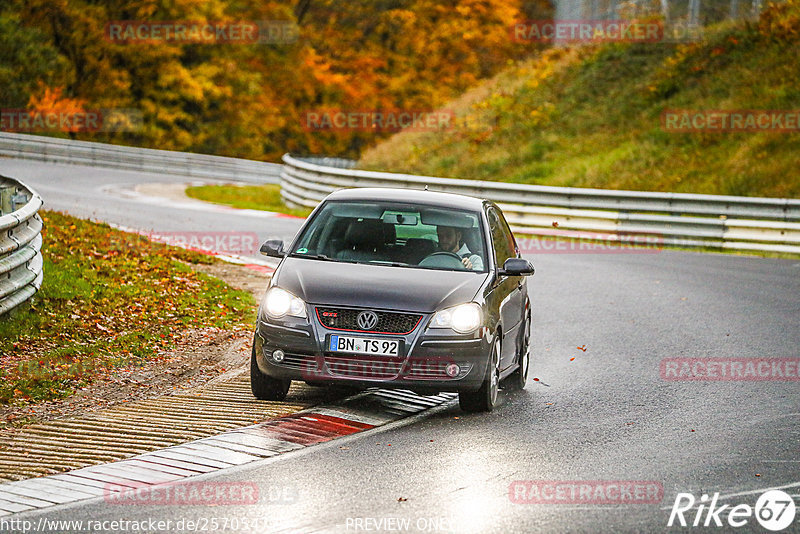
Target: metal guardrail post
6,192
18,199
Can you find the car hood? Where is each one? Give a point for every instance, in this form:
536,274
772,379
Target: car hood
376,286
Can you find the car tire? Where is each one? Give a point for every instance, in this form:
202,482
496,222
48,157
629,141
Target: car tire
265,387
519,378
485,399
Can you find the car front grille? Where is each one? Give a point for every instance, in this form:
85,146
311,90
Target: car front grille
388,322
365,367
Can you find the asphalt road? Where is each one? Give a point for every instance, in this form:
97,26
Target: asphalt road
608,415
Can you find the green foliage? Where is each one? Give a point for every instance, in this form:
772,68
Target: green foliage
26,58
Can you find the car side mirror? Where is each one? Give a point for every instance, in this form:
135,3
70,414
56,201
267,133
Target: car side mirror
273,248
516,267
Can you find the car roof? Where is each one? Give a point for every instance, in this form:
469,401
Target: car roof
416,196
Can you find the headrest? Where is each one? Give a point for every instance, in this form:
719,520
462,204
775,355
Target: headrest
389,233
368,233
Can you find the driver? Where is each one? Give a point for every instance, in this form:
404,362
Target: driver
450,241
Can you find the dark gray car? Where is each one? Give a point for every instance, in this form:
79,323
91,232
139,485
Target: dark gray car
397,288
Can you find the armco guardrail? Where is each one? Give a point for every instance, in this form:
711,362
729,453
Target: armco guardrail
57,150
20,244
677,219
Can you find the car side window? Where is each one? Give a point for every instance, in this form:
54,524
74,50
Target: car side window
502,238
509,236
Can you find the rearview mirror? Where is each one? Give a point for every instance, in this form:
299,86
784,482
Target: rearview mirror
516,267
273,248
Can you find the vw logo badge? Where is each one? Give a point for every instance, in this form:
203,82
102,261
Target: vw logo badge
367,320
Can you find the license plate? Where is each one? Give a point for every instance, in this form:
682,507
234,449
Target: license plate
363,345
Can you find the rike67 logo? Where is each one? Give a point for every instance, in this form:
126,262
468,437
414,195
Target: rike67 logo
774,510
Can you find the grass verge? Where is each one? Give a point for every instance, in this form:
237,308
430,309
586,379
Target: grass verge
266,197
109,300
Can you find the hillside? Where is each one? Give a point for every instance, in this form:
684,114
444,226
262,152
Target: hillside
592,117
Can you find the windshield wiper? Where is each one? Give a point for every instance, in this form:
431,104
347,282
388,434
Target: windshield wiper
322,257
390,263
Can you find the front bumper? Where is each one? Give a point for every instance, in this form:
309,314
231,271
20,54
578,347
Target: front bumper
421,366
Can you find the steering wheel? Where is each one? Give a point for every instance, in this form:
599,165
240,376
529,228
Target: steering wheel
442,259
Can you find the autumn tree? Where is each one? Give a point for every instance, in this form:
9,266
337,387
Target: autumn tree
248,100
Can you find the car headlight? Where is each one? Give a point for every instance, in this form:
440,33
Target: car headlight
463,318
279,302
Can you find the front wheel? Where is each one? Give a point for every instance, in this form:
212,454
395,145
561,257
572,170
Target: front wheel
265,387
485,398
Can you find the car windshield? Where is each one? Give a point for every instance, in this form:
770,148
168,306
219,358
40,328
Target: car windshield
395,234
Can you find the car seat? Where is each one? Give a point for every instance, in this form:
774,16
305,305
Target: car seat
417,248
363,241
